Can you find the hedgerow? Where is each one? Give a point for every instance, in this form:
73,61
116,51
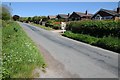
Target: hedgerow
53,24
96,28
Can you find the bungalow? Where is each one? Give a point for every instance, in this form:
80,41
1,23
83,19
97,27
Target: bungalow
51,17
104,14
62,17
80,16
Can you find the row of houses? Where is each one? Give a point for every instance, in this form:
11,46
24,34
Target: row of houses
102,14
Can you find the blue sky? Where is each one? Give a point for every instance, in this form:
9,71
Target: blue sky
54,8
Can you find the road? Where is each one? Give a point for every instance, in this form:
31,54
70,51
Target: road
72,59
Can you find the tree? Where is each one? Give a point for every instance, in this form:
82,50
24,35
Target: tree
23,19
16,17
6,14
44,18
36,19
29,19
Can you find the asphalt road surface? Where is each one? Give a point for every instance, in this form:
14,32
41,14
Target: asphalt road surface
72,59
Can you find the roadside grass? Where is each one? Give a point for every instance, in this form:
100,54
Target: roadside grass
110,43
20,55
0,49
44,27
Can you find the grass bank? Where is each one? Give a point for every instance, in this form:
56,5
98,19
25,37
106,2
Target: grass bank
20,55
0,49
110,43
44,27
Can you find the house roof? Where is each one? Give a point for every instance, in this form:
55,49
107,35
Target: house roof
51,17
111,12
83,14
63,15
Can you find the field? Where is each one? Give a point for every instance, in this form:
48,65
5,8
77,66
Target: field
20,55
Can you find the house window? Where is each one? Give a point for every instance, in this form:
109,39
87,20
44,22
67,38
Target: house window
98,17
107,17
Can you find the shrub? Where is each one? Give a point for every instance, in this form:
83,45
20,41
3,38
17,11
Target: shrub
95,28
6,15
53,24
49,23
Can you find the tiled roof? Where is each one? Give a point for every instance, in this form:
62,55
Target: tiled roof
110,12
63,15
83,14
51,17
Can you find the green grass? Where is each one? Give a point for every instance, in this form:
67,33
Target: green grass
0,49
19,53
81,37
44,27
110,43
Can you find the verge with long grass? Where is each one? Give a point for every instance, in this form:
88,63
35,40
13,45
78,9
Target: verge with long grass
110,43
20,55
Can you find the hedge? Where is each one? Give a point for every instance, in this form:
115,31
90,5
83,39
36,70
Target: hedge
53,24
95,28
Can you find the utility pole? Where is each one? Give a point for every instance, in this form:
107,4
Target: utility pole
10,11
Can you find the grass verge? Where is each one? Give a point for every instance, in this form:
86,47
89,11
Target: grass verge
0,49
110,43
44,27
20,55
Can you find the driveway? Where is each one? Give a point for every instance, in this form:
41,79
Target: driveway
67,58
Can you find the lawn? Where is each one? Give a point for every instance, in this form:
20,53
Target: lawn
19,53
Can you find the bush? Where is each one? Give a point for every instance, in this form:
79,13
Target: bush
53,24
49,23
6,15
96,28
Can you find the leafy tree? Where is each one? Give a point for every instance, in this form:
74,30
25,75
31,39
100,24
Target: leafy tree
29,19
6,14
44,18
23,19
16,17
36,19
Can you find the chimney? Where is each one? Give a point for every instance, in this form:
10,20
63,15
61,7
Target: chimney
68,14
118,9
86,12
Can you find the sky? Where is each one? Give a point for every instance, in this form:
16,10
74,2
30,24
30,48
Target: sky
60,0
29,9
